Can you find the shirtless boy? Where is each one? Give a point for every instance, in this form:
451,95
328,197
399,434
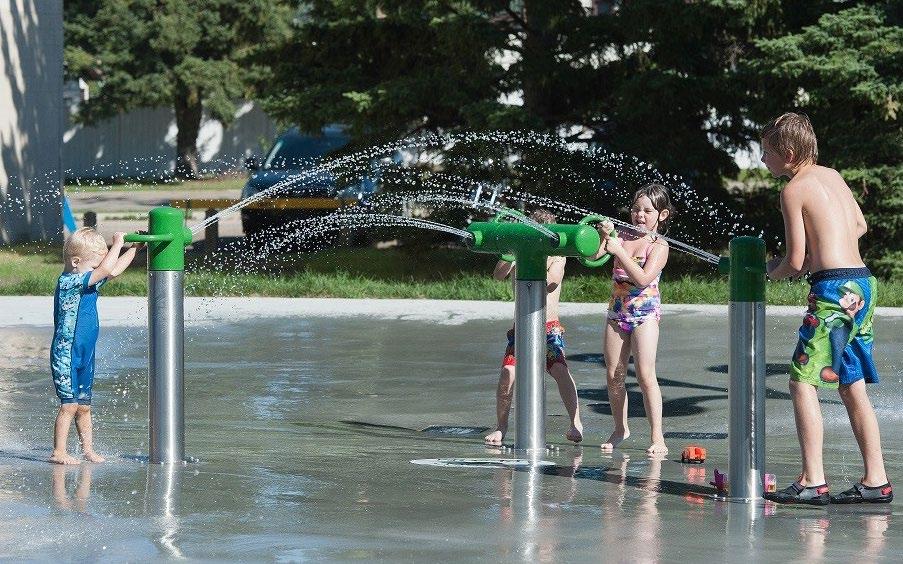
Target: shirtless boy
823,224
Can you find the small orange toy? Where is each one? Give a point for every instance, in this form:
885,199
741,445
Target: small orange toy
693,454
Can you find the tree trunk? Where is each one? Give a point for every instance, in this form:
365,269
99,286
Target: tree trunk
539,72
188,123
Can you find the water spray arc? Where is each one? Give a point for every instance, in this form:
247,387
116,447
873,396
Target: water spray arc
166,241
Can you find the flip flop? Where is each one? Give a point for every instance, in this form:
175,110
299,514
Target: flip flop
860,493
798,493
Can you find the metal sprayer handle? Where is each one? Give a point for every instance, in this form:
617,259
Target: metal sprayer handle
147,238
506,212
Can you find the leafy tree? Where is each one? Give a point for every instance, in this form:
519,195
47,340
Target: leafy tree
186,54
846,73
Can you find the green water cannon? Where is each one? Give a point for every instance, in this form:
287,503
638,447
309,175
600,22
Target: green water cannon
515,240
166,239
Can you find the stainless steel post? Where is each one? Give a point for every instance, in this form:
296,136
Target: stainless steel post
529,350
746,399
166,328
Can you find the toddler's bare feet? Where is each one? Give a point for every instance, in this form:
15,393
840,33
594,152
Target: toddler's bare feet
92,456
494,438
616,438
657,448
62,458
575,434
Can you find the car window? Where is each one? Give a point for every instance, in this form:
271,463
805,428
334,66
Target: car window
300,151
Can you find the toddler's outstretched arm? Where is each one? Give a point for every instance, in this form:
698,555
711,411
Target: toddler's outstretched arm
124,260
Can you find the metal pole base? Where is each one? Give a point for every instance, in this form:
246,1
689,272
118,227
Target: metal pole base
166,324
746,400
530,354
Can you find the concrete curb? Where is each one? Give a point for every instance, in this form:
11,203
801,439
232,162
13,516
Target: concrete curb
132,311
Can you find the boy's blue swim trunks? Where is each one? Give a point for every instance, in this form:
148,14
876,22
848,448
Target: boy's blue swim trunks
835,345
75,331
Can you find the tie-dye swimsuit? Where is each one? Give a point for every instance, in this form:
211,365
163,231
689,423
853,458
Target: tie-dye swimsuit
630,305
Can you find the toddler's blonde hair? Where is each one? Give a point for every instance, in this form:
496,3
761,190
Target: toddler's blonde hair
85,240
792,131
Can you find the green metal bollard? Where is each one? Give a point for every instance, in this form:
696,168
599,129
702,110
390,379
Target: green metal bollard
746,367
530,248
166,239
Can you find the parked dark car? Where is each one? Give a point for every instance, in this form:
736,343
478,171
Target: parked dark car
289,162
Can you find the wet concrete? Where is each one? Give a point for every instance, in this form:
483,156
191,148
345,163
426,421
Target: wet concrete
306,427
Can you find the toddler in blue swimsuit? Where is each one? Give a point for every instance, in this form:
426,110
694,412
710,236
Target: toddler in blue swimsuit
87,266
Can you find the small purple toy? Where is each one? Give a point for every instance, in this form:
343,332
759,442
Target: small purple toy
720,482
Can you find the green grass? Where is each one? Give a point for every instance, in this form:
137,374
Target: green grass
390,273
234,183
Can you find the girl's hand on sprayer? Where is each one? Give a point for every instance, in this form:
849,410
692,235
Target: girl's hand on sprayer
139,246
610,242
613,246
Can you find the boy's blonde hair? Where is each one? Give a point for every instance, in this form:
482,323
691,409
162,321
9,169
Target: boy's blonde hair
792,131
85,240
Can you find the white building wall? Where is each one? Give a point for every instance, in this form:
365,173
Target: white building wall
142,143
31,119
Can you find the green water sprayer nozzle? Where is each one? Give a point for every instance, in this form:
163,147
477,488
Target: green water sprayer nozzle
724,264
529,246
746,267
166,239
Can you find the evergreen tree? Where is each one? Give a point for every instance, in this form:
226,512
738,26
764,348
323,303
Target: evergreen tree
648,78
845,71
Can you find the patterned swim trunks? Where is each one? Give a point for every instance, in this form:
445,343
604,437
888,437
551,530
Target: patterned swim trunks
554,346
835,344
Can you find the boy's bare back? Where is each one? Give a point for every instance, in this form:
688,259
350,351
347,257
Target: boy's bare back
819,202
554,278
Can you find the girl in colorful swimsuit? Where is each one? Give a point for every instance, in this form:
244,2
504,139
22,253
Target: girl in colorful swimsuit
634,310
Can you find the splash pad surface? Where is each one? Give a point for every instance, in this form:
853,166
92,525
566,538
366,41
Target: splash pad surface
306,422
